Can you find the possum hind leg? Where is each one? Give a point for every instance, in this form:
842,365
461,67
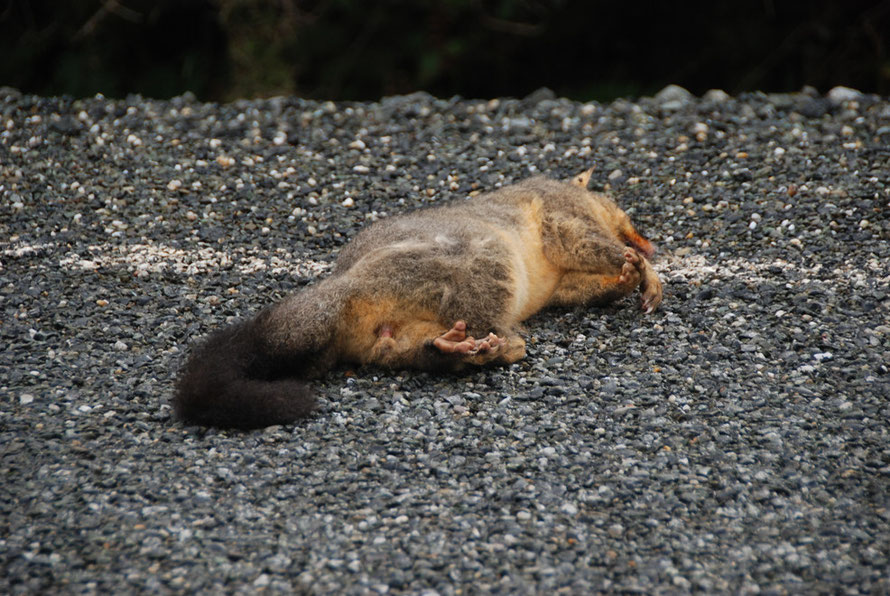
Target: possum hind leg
494,349
429,345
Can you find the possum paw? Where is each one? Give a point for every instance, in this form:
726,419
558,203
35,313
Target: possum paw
637,271
652,293
493,348
650,287
630,271
456,341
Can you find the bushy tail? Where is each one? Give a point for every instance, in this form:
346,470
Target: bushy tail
244,376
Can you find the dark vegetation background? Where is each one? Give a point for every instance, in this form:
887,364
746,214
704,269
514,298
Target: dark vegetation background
364,49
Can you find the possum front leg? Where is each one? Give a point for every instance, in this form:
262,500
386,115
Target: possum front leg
596,263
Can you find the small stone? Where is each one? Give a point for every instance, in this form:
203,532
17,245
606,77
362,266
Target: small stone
673,93
840,94
174,184
262,581
716,96
569,509
278,563
616,530
700,130
681,582
538,95
225,161
26,398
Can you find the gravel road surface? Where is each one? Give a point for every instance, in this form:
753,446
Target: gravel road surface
737,440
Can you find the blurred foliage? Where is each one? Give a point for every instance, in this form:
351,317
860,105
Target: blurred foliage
361,49
80,47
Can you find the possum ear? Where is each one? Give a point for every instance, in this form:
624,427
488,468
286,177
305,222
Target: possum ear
582,179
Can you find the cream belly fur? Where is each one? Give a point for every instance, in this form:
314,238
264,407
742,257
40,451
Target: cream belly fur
535,277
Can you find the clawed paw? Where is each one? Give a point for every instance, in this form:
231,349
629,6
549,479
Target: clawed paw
652,294
630,275
456,341
632,256
486,345
630,271
637,271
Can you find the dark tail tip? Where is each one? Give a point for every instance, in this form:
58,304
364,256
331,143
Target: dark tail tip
227,382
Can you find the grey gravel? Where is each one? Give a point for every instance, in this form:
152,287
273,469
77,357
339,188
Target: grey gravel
734,441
